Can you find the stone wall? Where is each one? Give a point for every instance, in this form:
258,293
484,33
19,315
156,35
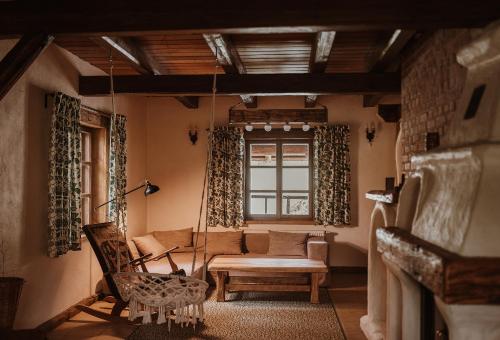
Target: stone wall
431,85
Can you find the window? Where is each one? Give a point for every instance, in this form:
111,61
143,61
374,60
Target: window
278,178
94,165
86,175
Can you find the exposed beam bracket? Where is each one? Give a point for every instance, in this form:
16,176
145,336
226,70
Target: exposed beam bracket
228,57
20,57
320,52
390,113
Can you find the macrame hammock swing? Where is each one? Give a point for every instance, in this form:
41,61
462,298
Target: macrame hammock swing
164,294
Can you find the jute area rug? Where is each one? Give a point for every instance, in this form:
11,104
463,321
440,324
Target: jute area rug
256,316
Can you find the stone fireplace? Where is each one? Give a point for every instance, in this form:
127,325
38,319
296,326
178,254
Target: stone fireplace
446,239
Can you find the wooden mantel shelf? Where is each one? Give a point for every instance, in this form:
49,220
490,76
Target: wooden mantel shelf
389,197
454,278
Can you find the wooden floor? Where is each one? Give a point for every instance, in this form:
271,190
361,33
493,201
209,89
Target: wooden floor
348,292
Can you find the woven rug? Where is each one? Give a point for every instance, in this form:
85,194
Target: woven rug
257,316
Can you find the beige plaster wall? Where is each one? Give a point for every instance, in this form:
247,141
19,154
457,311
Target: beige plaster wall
52,285
177,166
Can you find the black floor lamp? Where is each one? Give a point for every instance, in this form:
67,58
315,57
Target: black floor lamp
150,189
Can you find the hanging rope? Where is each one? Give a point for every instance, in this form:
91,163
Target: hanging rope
207,175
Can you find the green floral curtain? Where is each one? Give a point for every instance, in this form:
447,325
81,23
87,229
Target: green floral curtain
332,175
117,210
64,211
225,178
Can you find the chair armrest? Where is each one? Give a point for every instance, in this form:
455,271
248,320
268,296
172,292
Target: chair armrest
164,254
317,250
138,260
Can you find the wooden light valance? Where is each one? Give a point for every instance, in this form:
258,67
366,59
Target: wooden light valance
278,116
454,278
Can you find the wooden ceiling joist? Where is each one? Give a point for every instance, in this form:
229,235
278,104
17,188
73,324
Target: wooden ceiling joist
128,49
388,60
129,17
228,57
319,59
19,58
246,84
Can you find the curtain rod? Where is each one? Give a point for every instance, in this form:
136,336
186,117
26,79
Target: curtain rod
85,107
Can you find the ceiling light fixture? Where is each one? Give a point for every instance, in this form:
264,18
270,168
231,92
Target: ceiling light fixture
306,127
267,127
249,127
287,127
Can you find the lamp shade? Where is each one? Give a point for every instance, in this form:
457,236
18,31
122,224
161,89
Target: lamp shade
150,189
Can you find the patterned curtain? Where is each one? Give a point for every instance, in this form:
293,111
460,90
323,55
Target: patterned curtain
332,175
117,210
64,211
225,178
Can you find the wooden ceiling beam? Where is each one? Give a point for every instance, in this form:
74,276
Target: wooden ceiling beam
130,17
238,84
129,50
320,52
20,57
388,59
228,57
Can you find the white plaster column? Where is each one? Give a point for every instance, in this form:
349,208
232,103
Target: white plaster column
467,322
410,305
394,307
373,324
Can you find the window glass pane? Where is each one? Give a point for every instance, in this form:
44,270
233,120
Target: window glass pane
295,204
296,154
86,210
263,203
295,178
86,179
86,157
263,179
263,154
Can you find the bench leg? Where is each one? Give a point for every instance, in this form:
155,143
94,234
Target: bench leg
221,286
315,287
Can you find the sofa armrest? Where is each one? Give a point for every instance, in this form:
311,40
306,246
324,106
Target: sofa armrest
317,250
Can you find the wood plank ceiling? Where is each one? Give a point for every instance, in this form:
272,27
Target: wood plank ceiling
189,53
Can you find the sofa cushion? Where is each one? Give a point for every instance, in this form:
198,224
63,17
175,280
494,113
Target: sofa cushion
148,244
219,243
281,243
183,261
256,243
171,238
134,252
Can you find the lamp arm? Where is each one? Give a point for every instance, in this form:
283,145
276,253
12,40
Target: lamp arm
125,194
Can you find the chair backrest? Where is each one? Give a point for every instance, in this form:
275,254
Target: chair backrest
103,238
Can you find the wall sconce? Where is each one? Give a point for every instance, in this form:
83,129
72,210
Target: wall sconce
193,135
370,132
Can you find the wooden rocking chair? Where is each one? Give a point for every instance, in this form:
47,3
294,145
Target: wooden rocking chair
103,239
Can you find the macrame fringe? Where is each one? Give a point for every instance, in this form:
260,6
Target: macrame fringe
183,314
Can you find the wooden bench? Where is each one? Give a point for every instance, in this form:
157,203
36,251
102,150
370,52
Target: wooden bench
221,266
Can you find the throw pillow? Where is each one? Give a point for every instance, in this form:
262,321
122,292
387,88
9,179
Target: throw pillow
287,244
171,238
221,243
148,244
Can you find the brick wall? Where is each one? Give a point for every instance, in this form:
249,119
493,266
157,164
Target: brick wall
432,81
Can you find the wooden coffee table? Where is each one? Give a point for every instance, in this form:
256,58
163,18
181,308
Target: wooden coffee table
222,265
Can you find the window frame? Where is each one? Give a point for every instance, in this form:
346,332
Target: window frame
279,138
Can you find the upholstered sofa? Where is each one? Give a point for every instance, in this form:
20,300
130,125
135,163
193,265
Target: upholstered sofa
235,244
